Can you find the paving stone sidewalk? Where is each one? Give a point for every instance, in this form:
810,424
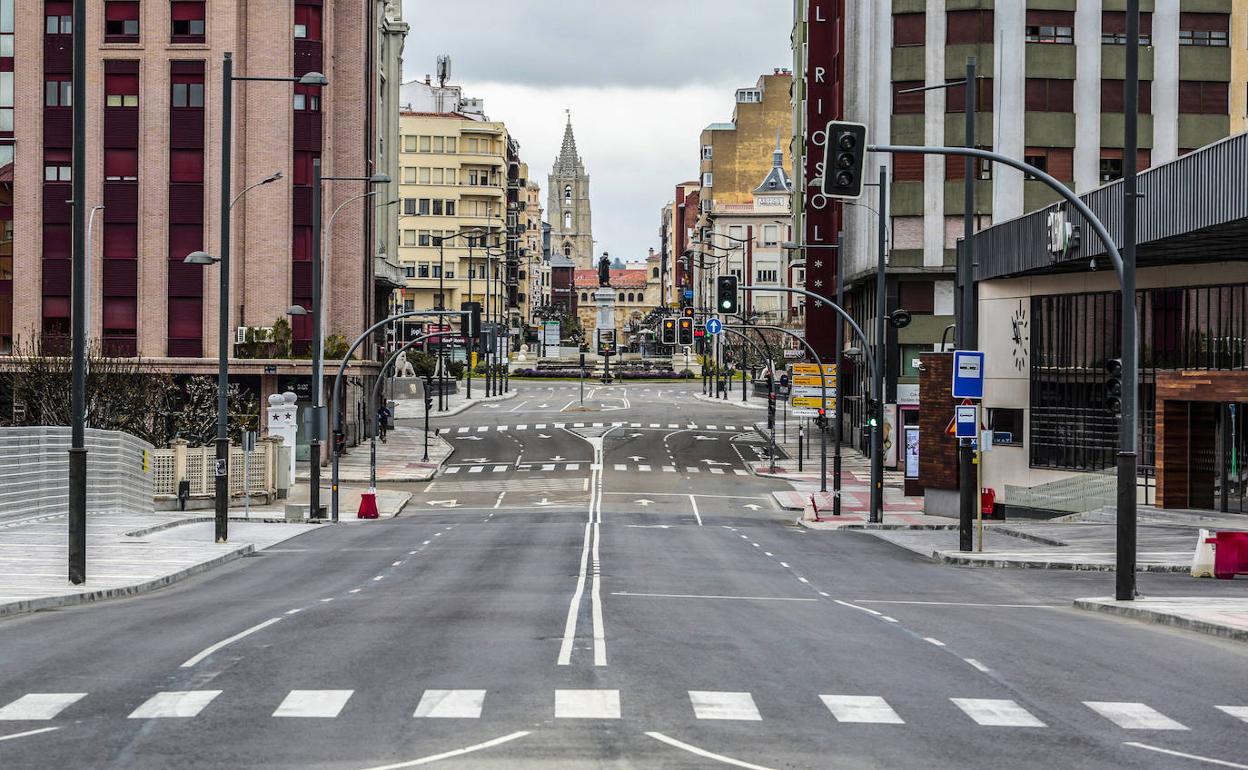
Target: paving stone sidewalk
414,408
127,554
399,458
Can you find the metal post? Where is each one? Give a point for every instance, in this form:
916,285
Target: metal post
318,397
77,546
967,336
472,337
1124,583
840,347
799,449
877,430
425,459
223,307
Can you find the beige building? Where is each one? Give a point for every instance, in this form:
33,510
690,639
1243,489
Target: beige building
737,154
453,186
531,261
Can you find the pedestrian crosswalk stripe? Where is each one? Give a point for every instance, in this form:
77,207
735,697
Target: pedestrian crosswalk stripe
502,428
500,468
728,427
177,705
693,470
476,469
313,704
483,429
1133,716
559,425
634,425
711,427
522,427
717,471
451,704
997,713
617,424
587,704
724,705
669,468
1239,712
578,425
39,706
620,467
861,709
643,468
740,472
574,467
540,427
451,469
548,467
673,425
597,425
654,425
462,430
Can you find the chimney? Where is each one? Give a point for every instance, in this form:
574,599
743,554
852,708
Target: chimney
428,80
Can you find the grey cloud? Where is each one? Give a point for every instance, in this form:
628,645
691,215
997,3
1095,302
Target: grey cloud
653,43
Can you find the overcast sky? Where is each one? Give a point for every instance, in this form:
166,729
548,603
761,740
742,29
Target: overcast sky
640,85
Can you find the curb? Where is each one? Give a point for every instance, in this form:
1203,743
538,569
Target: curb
944,557
1162,619
730,402
71,600
469,404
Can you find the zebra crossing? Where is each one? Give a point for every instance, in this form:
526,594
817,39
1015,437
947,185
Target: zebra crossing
467,430
560,467
610,704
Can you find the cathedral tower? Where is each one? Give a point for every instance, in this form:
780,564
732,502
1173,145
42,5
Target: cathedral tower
571,221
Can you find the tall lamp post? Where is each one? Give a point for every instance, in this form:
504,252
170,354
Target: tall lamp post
228,78
472,233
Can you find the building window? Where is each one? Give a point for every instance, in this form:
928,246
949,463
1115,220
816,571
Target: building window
186,166
1113,96
59,24
1050,27
121,90
749,96
567,251
307,22
307,98
621,296
1114,28
1204,29
187,21
708,152
409,207
437,207
121,21
584,297
771,235
968,27
188,95
56,166
409,270
767,276
451,145
423,270
1204,97
450,208
1057,162
1050,95
1006,426
424,239
57,93
909,29
567,220
708,179
567,195
121,165
1111,162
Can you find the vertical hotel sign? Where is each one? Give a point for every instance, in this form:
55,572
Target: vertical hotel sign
825,75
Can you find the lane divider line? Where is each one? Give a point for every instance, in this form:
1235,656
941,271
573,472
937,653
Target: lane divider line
195,660
703,752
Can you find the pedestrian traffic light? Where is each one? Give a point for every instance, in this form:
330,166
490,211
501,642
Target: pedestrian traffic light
845,153
821,421
1113,385
726,293
669,331
685,331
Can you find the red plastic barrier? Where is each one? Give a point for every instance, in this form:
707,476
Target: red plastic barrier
368,506
987,501
1230,555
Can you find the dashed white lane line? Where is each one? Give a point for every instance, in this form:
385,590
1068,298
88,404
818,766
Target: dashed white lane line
783,563
193,661
314,704
395,564
379,577
856,607
1194,757
327,600
295,611
704,753
354,591
888,619
936,642
977,665
37,706
454,753
28,733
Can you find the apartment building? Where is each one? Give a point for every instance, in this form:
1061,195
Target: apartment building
154,73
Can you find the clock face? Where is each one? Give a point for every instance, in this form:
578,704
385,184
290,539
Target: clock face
1020,337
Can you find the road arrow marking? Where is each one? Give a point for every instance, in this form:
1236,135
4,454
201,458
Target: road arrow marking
471,438
557,459
544,502
635,435
705,438
542,435
753,506
644,503
636,458
715,462
446,503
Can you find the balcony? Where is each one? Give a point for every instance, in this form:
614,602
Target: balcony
387,274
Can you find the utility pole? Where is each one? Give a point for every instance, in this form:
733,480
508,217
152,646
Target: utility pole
877,414
968,337
1124,582
840,346
77,546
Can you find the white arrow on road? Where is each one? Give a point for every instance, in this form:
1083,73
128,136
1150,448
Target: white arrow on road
636,458
469,438
753,506
542,435
644,503
445,503
557,459
715,462
543,406
544,502
635,435
705,438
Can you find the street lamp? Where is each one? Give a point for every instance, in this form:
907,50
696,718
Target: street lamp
474,231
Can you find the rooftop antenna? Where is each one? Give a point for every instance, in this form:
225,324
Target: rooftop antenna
444,69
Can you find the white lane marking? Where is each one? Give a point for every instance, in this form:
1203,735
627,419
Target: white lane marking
475,469
574,467
174,705
502,429
1133,716
39,705
240,635
1239,712
548,467
451,469
595,597
708,596
427,542
888,619
824,593
462,430
717,471
454,753
863,709
501,468
574,607
1196,757
804,580
704,753
854,606
28,733
541,426
314,704
936,642
379,577
996,713
724,705
693,470
327,600
354,591
395,564
499,501
295,611
669,469
621,467
587,704
451,704
643,468
522,427
740,472
977,665
785,565
558,425
963,604
483,429
517,406
694,502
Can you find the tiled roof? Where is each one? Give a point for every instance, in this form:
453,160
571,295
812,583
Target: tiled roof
620,279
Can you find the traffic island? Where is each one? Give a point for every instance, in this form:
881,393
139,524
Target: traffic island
1226,618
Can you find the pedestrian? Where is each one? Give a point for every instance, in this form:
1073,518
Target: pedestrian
383,421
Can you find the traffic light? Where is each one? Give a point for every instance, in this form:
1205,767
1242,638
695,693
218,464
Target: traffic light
685,331
669,331
821,421
428,393
726,293
845,153
470,326
1113,385
687,312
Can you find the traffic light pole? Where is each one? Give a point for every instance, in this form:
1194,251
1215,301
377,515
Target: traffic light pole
372,462
840,347
771,390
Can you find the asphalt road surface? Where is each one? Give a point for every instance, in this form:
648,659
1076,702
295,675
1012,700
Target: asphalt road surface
605,585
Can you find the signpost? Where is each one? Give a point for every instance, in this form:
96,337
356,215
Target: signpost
807,389
968,374
714,326
965,422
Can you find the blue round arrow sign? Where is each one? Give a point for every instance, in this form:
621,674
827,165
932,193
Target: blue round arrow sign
714,326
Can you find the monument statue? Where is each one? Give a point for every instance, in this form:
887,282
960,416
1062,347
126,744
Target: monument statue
604,271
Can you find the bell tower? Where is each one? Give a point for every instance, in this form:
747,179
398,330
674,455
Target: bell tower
571,220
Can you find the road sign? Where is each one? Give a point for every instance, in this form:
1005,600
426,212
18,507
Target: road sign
803,391
968,374
812,381
804,412
714,326
791,353
965,422
813,403
828,369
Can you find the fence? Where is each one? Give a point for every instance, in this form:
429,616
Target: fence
34,472
1077,494
196,465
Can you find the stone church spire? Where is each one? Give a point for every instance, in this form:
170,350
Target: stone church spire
571,217
568,160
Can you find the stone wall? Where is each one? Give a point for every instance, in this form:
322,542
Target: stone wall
34,472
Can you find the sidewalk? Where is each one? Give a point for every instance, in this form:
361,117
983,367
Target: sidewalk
127,555
390,502
414,408
398,459
1226,617
734,399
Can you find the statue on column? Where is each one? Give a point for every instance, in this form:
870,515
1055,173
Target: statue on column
604,271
